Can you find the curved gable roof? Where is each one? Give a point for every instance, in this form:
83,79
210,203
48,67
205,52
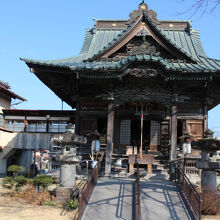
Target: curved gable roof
108,33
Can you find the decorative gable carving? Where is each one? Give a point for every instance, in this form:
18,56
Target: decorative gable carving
143,73
144,48
143,32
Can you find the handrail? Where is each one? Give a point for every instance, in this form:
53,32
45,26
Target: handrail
191,185
186,163
87,190
138,195
189,192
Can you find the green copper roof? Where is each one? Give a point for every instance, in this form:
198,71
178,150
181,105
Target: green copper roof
98,40
204,65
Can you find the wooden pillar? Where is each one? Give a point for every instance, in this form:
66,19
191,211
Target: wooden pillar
25,124
131,168
173,150
4,121
117,134
110,132
149,168
205,117
77,119
47,123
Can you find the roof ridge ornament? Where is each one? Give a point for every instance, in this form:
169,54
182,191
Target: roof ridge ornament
142,9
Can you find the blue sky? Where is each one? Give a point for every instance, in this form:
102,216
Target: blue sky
51,29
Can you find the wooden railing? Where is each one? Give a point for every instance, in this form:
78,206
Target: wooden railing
189,192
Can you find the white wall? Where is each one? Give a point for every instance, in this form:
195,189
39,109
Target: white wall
24,141
4,103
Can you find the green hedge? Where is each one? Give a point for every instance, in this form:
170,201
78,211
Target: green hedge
43,180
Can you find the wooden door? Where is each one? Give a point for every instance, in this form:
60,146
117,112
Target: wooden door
195,128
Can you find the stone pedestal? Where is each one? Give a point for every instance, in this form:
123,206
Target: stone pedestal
208,180
63,193
208,177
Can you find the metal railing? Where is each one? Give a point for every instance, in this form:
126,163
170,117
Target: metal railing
138,195
189,192
86,192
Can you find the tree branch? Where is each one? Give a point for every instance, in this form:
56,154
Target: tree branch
203,6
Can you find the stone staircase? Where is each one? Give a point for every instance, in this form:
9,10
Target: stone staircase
160,165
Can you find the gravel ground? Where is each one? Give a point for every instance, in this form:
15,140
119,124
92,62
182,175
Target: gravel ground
210,217
18,210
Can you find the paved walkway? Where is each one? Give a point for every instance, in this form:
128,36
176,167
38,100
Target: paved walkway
161,200
111,199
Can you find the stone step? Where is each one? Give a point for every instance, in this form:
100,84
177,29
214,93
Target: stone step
118,156
160,162
160,167
120,174
157,176
155,153
157,171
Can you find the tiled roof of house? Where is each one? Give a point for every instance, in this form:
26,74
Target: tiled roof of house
5,88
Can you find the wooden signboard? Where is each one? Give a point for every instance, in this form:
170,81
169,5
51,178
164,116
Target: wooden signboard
146,159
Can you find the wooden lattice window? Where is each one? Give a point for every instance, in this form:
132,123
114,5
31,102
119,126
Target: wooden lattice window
155,133
125,132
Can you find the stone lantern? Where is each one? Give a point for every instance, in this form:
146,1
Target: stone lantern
207,145
68,159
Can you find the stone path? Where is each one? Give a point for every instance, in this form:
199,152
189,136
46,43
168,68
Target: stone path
160,200
111,199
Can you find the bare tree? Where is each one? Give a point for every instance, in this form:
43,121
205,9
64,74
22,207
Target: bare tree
203,6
